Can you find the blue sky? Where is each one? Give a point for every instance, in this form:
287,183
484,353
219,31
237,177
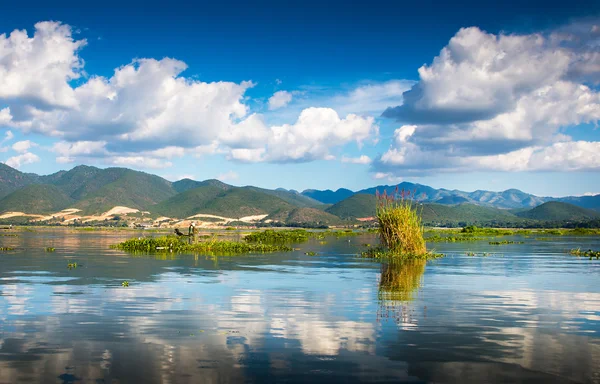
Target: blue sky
308,94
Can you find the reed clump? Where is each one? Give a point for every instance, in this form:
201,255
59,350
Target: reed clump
174,244
400,227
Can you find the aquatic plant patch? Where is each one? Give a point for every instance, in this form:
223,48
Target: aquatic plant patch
174,244
589,253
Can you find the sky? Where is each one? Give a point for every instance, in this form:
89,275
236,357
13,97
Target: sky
308,94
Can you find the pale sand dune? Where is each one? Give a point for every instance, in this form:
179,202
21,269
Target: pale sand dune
16,214
118,210
250,219
200,215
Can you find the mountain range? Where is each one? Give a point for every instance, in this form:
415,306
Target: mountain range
93,191
511,198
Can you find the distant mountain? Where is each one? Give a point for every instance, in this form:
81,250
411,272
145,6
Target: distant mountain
590,202
511,198
464,214
95,190
36,198
559,211
452,200
363,205
328,196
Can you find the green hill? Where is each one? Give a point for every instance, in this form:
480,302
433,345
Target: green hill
363,205
304,215
467,213
355,206
125,187
239,202
290,197
187,184
233,202
558,211
11,180
36,198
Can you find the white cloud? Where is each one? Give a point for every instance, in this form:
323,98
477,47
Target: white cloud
591,194
8,136
140,162
23,146
315,131
147,111
363,159
279,100
23,159
228,176
5,116
38,68
501,102
386,176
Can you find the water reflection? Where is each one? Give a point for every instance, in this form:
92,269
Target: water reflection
292,317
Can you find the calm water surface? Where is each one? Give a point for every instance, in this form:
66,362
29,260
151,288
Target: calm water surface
528,313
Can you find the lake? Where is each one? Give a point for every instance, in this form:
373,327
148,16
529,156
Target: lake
527,313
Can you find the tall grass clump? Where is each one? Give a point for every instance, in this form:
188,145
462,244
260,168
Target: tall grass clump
400,227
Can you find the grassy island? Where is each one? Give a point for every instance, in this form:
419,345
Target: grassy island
174,244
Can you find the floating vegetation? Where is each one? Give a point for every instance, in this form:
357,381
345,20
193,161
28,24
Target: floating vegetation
589,253
173,244
451,239
322,242
9,234
72,265
125,283
483,254
7,249
384,254
366,245
310,253
347,232
230,229
505,242
50,249
473,230
273,236
400,228
583,231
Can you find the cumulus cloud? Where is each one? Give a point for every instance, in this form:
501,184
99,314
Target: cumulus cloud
309,138
499,102
23,146
363,159
39,68
23,159
147,111
279,100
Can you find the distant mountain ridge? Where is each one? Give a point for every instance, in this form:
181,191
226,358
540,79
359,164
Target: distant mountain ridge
511,198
